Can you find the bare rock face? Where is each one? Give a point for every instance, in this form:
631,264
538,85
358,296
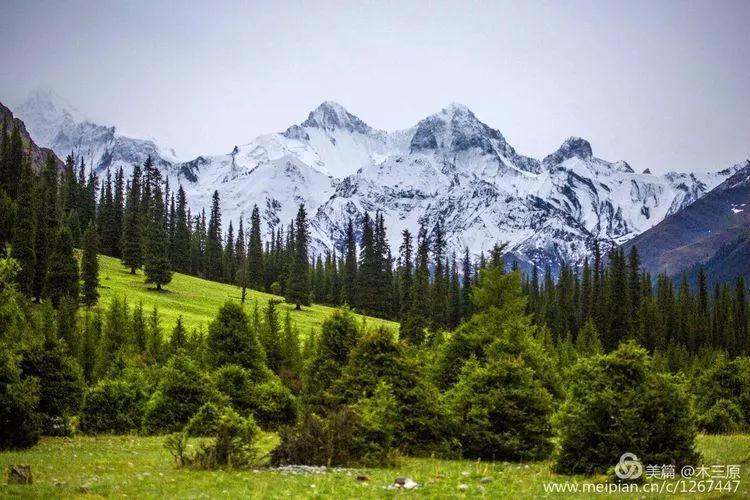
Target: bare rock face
19,474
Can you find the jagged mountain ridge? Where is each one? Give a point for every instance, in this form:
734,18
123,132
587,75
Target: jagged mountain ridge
713,230
449,167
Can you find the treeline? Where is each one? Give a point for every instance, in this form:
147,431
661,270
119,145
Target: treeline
623,302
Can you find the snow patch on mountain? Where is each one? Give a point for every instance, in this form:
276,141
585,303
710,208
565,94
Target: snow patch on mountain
450,167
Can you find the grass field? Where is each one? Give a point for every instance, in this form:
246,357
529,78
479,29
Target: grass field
197,300
125,466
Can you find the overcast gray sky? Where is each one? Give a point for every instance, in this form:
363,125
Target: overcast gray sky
660,84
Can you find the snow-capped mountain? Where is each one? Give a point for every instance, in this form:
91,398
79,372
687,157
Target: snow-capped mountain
55,124
449,167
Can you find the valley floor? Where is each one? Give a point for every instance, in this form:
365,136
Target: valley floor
140,467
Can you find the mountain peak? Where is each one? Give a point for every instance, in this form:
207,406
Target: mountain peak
331,116
457,107
573,147
48,102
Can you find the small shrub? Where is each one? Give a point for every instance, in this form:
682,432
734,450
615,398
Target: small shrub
19,422
728,380
60,386
270,402
722,418
113,406
230,340
204,423
181,391
234,444
177,446
501,411
343,437
619,403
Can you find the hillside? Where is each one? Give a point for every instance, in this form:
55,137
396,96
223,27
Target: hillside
697,233
197,300
38,154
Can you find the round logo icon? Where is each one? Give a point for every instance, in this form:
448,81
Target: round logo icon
629,467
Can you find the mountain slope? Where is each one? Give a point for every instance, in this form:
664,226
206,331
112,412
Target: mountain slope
38,155
449,167
696,233
55,124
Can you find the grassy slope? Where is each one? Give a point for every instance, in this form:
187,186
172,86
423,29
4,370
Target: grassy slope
140,467
197,300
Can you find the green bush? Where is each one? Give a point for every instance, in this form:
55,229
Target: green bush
501,411
19,422
722,418
270,402
619,403
113,406
421,425
234,443
342,437
230,340
725,380
339,335
60,386
205,421
181,391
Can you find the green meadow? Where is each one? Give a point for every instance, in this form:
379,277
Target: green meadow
197,300
139,467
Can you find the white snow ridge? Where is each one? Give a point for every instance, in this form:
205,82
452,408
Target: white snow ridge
449,167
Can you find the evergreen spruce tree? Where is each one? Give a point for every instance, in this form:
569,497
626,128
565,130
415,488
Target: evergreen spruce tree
290,346
349,271
586,293
634,286
466,285
138,332
90,266
298,282
213,241
740,319
181,244
271,337
118,215
110,235
178,339
12,163
454,296
132,242
618,296
156,262
413,327
228,256
47,223
368,294
239,252
255,270
155,342
24,233
438,304
69,190
62,275
703,317
406,273
587,342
